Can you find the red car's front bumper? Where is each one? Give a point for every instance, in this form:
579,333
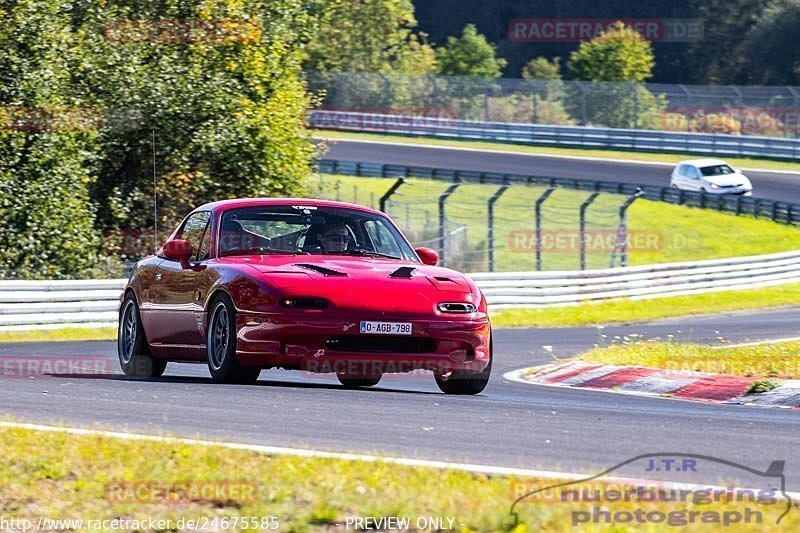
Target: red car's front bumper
316,343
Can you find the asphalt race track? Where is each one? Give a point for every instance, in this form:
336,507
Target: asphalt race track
510,424
772,185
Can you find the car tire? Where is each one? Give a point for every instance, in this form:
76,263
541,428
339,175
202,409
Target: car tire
460,382
353,382
132,348
221,345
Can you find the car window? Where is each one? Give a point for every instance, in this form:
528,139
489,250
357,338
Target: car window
382,239
194,228
682,170
717,170
310,229
691,172
205,244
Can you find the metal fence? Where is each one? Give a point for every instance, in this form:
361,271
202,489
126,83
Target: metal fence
43,304
486,221
475,225
777,211
746,110
571,136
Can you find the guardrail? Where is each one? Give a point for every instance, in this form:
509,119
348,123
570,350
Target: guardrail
41,304
572,136
56,303
784,212
541,289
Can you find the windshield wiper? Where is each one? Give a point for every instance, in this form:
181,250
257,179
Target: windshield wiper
370,253
261,251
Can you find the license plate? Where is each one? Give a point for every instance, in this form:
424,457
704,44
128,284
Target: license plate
386,328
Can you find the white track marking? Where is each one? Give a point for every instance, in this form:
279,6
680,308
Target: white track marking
302,452
754,343
553,156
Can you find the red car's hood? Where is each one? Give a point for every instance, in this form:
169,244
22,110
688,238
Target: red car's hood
364,283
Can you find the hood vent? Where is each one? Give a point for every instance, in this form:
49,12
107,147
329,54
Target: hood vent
402,272
321,269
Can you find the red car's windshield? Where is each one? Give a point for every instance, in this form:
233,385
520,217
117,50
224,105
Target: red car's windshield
310,229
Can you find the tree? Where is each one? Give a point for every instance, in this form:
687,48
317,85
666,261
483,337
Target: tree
540,68
470,55
367,36
48,147
227,106
770,53
616,63
620,54
218,81
547,77
720,57
417,58
360,48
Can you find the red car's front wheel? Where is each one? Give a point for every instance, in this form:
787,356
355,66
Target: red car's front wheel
352,381
460,382
221,345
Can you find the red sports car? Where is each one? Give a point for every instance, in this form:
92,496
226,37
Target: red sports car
302,284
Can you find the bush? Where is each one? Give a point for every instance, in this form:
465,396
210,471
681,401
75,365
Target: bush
48,220
528,109
615,105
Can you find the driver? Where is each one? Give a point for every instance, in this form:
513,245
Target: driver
335,238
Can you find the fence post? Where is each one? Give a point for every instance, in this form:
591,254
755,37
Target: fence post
389,193
486,102
539,201
622,232
442,232
582,227
490,228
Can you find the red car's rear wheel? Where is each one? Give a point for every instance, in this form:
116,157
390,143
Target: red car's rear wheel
132,349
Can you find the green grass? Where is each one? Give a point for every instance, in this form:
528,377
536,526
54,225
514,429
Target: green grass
63,476
763,385
663,232
630,311
770,360
660,157
60,335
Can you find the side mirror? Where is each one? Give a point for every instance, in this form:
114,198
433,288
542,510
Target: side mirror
428,256
178,250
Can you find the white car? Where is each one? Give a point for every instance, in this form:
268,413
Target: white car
712,176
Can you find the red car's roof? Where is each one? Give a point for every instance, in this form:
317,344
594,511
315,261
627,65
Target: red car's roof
255,202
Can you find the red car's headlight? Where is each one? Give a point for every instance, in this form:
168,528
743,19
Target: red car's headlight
305,303
461,308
